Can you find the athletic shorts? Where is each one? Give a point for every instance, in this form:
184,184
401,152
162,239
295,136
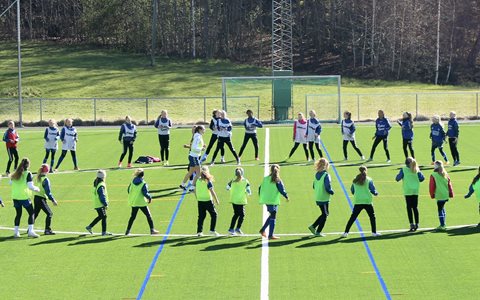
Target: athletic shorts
20,203
193,161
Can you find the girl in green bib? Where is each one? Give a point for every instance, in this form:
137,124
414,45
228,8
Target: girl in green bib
270,190
412,177
239,190
475,188
40,198
100,202
22,187
440,189
323,191
138,199
204,192
362,190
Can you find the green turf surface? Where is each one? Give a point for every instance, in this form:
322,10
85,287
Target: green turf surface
423,265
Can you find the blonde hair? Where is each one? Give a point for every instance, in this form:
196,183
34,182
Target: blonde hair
53,122
437,119
313,112
412,164
322,165
439,168
205,174
138,172
275,173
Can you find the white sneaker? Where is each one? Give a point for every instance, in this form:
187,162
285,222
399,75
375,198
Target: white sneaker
16,235
363,157
32,234
191,188
345,234
222,160
214,233
199,234
375,234
388,161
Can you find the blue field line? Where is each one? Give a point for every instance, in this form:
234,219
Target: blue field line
160,248
365,243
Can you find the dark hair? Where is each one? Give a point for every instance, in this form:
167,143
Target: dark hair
97,181
349,114
409,117
214,113
476,178
249,111
362,177
22,167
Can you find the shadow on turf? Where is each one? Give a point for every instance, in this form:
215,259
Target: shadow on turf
464,231
179,241
60,240
279,243
319,242
231,245
389,236
462,170
95,240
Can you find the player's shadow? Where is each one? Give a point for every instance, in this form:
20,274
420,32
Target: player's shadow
95,240
319,241
168,194
224,246
165,242
348,164
175,188
467,230
281,242
387,236
380,166
59,240
462,170
193,241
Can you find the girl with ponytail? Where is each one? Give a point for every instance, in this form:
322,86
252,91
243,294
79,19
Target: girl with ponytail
440,189
323,191
270,190
40,199
362,190
204,193
196,147
411,176
22,187
239,190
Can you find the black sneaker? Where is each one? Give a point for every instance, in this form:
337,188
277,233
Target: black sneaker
49,232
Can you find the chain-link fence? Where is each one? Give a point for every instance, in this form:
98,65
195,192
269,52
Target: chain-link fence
421,105
184,110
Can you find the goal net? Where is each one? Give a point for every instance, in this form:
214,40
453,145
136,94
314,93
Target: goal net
281,98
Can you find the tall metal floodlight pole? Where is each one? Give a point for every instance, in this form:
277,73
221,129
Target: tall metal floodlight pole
154,31
20,100
282,21
193,29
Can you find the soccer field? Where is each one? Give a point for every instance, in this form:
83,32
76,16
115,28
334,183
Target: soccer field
179,265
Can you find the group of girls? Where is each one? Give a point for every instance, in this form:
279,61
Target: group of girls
222,127
24,186
308,132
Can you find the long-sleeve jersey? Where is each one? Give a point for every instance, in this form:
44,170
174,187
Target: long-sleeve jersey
197,145
452,131
382,126
51,136
348,130
69,136
11,138
128,132
48,191
326,181
299,131
371,188
437,134
145,191
314,128
251,125
400,176
407,129
433,187
471,190
163,125
101,195
224,128
280,188
214,126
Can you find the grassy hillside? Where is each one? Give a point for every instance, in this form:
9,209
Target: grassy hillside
53,70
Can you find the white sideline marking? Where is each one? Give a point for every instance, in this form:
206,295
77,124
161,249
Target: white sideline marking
265,280
300,234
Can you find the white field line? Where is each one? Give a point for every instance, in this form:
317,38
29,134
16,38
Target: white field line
300,234
264,277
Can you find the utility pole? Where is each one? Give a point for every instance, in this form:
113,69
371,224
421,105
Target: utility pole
154,31
20,100
193,29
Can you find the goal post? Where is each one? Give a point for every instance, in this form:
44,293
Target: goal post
280,98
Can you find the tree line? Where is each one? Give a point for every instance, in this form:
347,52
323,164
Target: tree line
426,40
